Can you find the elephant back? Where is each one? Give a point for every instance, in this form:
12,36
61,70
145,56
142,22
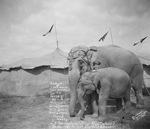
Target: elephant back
113,56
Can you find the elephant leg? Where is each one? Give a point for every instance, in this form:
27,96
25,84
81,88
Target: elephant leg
119,104
126,98
139,96
82,102
103,97
94,104
137,78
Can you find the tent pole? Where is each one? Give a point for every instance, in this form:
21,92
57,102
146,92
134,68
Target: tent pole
56,36
40,84
20,81
111,37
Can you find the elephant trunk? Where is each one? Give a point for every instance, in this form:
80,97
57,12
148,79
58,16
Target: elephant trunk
73,77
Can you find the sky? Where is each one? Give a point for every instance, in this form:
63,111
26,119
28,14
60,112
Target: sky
76,22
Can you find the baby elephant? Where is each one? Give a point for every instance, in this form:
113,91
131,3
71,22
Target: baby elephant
106,82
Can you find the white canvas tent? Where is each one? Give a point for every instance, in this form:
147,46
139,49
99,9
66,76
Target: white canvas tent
56,59
32,76
146,66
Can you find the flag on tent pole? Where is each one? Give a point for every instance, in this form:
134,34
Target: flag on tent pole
49,30
141,41
103,37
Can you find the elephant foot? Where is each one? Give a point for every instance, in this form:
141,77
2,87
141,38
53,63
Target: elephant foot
78,114
118,108
82,117
72,114
95,115
120,111
102,118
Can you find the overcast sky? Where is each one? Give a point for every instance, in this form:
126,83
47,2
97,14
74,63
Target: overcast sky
78,22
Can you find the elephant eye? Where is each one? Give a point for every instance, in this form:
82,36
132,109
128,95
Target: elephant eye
81,62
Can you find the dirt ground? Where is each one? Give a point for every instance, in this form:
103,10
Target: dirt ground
34,113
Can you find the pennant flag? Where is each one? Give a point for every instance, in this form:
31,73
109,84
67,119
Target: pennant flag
103,37
141,41
49,30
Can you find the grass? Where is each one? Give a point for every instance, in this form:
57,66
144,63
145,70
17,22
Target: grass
33,113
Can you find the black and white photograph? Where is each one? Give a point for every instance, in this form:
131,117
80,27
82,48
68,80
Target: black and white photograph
74,64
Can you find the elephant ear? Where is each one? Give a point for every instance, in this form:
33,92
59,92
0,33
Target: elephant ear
90,52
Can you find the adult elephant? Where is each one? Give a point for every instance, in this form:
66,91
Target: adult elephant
104,56
114,56
78,64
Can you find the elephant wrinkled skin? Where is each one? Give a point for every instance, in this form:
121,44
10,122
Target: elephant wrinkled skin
104,56
107,82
